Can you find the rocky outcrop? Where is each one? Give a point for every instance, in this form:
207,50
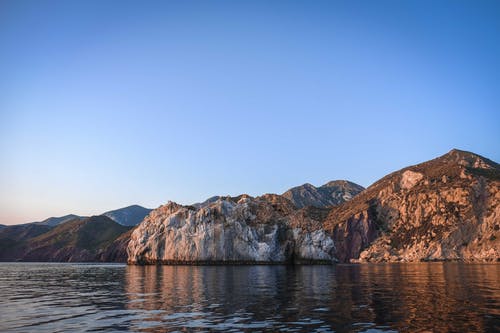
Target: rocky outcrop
266,229
444,209
331,194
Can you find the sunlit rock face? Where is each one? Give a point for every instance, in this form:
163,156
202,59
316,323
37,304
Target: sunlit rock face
410,179
444,209
266,229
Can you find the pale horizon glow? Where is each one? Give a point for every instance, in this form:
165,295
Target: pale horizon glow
105,104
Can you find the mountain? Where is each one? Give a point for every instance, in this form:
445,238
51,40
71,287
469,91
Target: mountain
78,240
72,237
14,237
243,229
444,209
53,221
128,216
330,194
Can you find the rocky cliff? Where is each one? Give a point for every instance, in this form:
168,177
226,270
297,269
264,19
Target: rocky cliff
266,229
444,209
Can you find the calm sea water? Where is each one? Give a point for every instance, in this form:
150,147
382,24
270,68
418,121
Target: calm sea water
439,297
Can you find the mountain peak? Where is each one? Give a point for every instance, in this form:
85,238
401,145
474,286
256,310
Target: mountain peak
338,182
461,159
128,216
457,155
342,183
306,185
458,151
331,194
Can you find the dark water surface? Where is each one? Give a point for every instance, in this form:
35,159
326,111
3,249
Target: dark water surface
439,297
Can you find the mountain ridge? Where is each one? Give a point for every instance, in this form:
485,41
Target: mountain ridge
78,240
427,211
129,215
446,208
332,193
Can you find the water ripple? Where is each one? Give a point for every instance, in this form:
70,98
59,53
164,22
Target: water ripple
439,297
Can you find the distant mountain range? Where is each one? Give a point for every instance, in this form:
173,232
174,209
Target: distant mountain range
444,209
53,221
71,237
87,239
128,216
331,194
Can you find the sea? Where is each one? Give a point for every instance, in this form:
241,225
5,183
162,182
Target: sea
416,297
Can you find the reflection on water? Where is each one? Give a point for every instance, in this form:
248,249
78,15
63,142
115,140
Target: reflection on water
439,297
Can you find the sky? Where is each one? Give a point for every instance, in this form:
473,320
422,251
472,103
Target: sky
104,104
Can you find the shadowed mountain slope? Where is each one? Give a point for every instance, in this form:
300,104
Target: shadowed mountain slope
79,240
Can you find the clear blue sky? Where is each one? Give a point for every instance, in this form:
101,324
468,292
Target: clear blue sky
109,103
